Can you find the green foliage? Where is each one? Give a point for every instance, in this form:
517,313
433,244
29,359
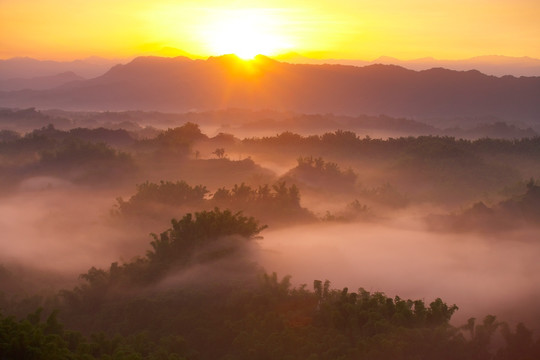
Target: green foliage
526,206
200,237
259,318
519,344
271,319
323,174
27,148
31,339
219,152
78,155
368,313
178,244
354,211
433,168
100,135
86,162
506,215
280,193
174,142
278,202
263,318
9,136
71,152
165,193
429,148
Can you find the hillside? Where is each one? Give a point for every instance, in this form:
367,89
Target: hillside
181,84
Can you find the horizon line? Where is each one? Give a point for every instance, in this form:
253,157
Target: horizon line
282,57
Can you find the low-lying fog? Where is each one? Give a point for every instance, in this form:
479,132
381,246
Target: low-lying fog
64,230
69,230
497,275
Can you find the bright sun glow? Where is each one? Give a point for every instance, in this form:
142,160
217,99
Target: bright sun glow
245,33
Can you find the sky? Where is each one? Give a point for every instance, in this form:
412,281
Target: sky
337,29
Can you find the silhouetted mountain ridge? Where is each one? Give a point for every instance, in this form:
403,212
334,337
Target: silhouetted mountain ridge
182,84
497,65
26,68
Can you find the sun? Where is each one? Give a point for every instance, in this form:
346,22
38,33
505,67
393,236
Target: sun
245,33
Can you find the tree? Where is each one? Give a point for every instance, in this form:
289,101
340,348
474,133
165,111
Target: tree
179,243
219,152
166,193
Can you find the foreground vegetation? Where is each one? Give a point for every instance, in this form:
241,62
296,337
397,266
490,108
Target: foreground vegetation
267,320
197,294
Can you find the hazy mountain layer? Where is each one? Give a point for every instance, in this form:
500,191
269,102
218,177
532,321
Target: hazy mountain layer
491,65
39,82
181,84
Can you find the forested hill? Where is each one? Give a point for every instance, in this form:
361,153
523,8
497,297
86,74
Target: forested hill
229,309
181,84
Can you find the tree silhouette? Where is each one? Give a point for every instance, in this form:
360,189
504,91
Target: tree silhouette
219,152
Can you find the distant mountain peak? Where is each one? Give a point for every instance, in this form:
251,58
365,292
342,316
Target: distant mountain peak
170,51
180,84
385,59
264,58
225,57
154,59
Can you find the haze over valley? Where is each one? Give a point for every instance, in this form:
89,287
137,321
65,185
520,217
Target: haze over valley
264,193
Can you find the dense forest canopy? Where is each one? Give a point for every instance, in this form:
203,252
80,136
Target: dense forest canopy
197,287
241,316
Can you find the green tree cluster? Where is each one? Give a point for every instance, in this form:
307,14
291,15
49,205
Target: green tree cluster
276,203
86,162
196,238
325,173
173,143
34,339
519,210
167,193
122,316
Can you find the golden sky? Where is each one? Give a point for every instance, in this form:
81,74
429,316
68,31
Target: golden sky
347,29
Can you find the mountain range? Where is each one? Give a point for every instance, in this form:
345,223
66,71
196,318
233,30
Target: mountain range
497,65
28,68
490,64
181,84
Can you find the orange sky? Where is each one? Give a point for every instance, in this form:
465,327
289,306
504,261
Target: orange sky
68,29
